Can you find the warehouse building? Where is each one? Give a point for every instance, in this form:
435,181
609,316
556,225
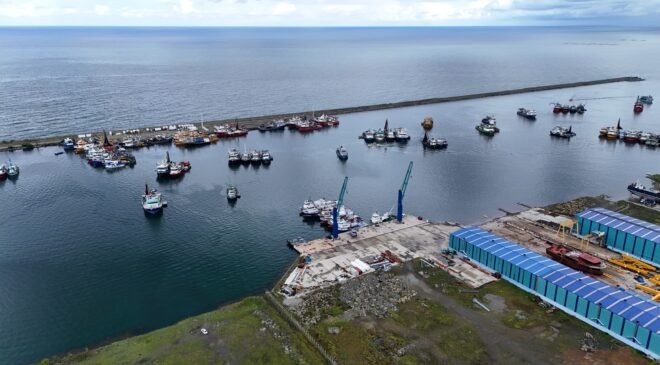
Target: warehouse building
622,233
632,319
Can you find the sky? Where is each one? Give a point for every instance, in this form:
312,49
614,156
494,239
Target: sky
329,12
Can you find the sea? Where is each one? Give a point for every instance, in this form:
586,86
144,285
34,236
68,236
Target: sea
80,263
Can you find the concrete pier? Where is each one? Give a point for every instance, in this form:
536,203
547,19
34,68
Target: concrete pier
254,122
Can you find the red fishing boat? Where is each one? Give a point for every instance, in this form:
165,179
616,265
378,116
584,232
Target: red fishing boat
639,107
557,108
575,259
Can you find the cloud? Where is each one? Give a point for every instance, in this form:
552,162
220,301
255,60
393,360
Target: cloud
284,8
101,9
328,12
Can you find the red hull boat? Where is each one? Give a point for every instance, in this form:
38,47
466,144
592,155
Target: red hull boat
575,259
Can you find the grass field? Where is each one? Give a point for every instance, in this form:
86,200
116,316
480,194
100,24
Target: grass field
247,332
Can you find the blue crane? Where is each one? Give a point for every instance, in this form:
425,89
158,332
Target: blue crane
402,192
340,202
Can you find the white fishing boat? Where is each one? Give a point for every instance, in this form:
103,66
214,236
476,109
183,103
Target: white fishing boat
232,193
309,209
152,202
112,165
342,153
266,157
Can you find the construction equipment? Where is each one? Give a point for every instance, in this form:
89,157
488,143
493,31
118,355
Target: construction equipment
566,227
633,265
340,202
402,192
646,289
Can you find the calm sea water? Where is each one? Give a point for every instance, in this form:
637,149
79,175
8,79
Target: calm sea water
80,262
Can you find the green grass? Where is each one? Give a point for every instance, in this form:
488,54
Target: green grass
234,336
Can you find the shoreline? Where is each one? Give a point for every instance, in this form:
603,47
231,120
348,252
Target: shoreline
252,123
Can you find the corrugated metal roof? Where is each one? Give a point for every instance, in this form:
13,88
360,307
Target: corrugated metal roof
616,300
623,223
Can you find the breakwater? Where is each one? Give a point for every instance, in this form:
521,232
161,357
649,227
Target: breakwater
254,122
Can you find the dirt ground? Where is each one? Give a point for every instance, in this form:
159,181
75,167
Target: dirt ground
442,325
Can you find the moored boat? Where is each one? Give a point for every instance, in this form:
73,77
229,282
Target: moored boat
342,153
246,158
565,109
490,121
646,99
368,136
638,107
486,129
152,202
572,109
401,135
581,109
577,260
434,143
12,170
562,132
232,193
163,167
642,191
234,157
266,157
112,165
68,144
3,172
527,113
176,170
255,157
379,136
556,108
631,136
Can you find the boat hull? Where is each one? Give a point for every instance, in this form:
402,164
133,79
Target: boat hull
574,264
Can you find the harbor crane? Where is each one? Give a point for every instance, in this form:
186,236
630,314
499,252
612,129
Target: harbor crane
402,192
335,210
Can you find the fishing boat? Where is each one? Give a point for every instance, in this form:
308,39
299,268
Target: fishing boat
427,123
565,109
246,158
556,108
572,109
3,172
255,158
376,218
163,167
309,210
368,136
113,165
275,125
234,157
631,136
581,109
266,157
638,107
390,136
490,121
646,99
527,113
68,144
342,154
643,137
12,170
575,259
401,135
232,193
152,202
562,132
185,165
653,141
176,170
486,129
642,191
379,136
434,143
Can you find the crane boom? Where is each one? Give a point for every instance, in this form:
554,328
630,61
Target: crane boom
340,202
402,192
404,186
